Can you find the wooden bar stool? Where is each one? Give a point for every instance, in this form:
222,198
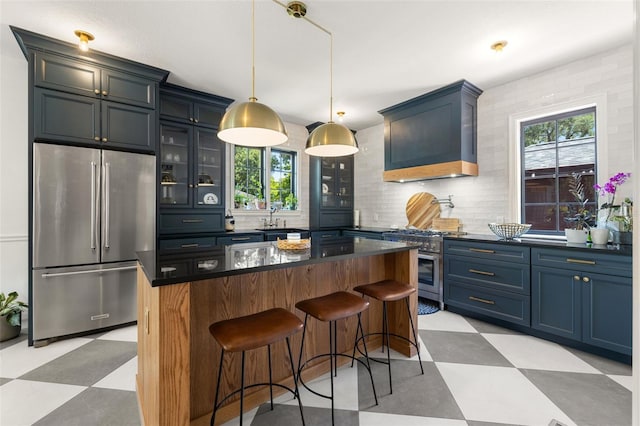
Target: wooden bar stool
331,308
389,291
251,332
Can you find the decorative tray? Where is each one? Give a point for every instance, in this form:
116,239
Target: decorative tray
301,244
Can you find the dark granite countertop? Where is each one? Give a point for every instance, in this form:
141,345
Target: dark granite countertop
176,266
625,250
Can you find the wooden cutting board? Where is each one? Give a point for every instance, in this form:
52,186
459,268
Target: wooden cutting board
448,224
420,210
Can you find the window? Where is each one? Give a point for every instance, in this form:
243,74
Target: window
251,175
558,154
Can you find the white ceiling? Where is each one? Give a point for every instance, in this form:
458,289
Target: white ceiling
385,51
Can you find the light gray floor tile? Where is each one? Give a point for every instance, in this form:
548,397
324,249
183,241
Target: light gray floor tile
463,348
487,327
414,394
86,365
588,399
607,366
3,381
313,416
96,407
476,423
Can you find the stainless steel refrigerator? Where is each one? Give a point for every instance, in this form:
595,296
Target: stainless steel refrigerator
92,210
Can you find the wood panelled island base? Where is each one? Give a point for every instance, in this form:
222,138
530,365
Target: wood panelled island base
178,358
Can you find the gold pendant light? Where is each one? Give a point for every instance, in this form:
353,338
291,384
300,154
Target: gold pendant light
330,139
252,123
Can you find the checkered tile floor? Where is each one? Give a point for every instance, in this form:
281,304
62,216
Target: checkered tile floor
475,374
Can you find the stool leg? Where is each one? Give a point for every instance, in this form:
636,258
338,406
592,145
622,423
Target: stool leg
295,381
270,377
242,389
335,347
366,354
332,360
215,403
386,334
415,336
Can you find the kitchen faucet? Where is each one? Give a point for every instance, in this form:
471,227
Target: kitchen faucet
271,212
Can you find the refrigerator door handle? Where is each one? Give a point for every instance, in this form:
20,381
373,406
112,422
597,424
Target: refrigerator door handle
91,271
93,205
107,196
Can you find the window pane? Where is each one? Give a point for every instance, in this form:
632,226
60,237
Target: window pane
282,174
542,217
577,127
541,190
540,133
248,174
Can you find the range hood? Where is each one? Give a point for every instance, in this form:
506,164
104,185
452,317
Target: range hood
432,136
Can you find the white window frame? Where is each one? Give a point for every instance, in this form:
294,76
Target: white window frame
515,146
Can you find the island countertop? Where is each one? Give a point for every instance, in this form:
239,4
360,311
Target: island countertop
177,266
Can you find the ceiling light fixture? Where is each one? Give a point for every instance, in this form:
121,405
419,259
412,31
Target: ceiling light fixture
252,123
330,139
85,38
340,115
498,46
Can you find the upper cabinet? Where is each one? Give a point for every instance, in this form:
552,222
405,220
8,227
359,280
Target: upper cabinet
331,192
191,161
90,98
432,136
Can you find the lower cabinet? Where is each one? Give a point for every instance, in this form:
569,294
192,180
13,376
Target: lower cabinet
321,235
576,302
240,238
364,234
181,243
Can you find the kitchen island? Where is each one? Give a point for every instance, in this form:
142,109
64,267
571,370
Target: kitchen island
182,292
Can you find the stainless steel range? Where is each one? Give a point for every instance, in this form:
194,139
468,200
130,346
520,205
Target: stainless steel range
429,245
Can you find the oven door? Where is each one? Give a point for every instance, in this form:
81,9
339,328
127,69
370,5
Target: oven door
429,276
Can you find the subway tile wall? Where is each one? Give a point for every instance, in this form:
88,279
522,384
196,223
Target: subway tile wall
485,198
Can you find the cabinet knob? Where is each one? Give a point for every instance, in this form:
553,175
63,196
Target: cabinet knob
96,91
195,119
104,139
191,119
97,139
586,279
576,277
104,93
190,185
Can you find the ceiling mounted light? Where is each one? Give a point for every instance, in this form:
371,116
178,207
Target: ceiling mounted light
330,139
499,45
340,115
85,38
252,123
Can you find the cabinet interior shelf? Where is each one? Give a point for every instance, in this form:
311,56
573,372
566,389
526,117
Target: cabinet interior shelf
169,183
206,184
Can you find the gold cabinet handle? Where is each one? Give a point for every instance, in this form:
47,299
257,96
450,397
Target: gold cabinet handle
576,277
96,138
195,120
586,279
104,139
581,261
146,320
104,93
192,220
189,245
240,238
475,271
191,119
477,250
479,299
96,91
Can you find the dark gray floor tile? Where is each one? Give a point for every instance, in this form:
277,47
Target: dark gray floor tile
313,416
462,348
588,399
487,327
414,394
86,365
96,407
3,381
605,365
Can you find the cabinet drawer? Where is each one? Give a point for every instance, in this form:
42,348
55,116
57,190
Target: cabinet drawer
492,251
603,263
506,306
331,219
184,223
506,276
363,234
242,238
321,235
179,243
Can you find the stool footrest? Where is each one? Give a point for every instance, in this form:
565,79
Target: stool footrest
301,381
254,385
357,347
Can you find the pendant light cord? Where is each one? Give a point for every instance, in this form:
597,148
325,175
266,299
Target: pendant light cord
253,51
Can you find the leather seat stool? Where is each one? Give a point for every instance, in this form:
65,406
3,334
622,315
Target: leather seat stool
331,308
251,332
389,291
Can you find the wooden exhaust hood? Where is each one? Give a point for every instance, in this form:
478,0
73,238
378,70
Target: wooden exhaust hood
432,136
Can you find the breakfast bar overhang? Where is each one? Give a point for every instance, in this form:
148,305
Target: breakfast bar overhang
182,292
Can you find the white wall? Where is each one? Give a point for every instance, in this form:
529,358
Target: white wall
482,199
13,166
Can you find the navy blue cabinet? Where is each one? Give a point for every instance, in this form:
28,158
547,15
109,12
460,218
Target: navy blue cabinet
331,192
489,279
583,296
364,234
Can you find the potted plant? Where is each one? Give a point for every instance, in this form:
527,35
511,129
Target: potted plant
616,217
291,201
11,315
580,218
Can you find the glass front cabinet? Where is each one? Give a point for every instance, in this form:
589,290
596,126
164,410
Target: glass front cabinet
331,192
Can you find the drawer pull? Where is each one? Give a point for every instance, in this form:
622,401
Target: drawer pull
478,299
190,245
576,278
586,279
192,221
240,238
477,250
475,271
582,262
